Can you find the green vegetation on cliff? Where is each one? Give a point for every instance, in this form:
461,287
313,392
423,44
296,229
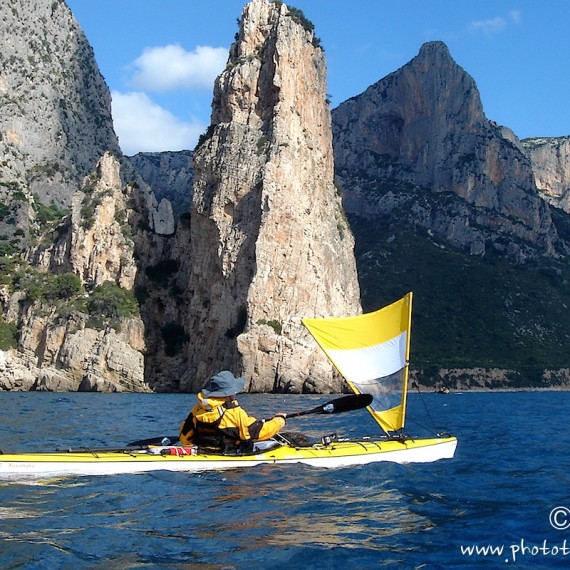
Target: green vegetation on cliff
469,311
63,294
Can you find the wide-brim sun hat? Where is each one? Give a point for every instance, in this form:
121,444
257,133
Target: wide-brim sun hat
223,384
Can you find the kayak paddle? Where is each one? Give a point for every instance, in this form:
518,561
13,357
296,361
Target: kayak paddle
344,404
337,406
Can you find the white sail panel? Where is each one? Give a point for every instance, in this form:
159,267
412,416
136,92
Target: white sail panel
370,363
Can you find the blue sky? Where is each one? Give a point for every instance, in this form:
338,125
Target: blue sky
160,57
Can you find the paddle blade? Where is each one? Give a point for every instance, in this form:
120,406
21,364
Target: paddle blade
159,440
344,404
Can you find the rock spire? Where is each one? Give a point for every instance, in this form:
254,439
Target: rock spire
269,239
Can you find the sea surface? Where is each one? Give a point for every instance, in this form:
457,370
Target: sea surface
503,501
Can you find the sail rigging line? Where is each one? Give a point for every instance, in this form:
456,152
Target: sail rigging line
434,429
424,427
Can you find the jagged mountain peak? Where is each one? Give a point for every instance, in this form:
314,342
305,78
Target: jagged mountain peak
424,125
429,99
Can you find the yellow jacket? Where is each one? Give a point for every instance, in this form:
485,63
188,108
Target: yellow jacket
213,422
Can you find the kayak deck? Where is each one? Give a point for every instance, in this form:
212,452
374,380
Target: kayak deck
335,455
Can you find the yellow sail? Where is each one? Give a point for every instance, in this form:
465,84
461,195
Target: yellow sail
372,352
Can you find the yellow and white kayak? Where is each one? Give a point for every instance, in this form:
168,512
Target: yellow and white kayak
112,462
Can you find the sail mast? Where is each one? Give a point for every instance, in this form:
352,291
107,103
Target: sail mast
409,296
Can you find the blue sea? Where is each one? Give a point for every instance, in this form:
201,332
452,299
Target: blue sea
503,501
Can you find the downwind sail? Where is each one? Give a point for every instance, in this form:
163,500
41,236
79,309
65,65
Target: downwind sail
372,352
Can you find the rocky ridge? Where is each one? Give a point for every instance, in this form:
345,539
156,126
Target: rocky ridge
418,141
383,194
77,231
60,346
126,237
491,379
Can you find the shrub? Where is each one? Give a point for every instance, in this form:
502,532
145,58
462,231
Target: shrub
7,249
109,303
274,324
298,16
46,214
8,335
262,143
4,212
64,286
33,289
7,269
87,212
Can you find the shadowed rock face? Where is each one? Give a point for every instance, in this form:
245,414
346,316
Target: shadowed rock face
424,126
269,241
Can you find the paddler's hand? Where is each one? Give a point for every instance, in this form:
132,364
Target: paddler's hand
281,415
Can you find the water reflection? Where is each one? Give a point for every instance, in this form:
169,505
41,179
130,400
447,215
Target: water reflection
311,507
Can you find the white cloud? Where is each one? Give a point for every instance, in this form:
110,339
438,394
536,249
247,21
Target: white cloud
497,24
142,125
515,16
172,67
492,26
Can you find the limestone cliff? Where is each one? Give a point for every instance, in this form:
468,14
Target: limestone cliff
55,114
76,222
268,237
79,324
472,309
418,141
550,159
267,241
170,176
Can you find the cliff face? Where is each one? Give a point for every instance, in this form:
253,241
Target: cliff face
418,140
470,186
269,241
83,333
267,244
72,231
550,159
55,112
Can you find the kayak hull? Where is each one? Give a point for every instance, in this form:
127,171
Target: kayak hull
113,462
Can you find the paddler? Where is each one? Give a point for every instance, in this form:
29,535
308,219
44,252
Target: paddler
219,423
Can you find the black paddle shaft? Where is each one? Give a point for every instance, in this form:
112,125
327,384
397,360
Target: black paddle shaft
344,404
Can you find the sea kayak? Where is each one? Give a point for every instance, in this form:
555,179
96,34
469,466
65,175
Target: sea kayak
337,454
